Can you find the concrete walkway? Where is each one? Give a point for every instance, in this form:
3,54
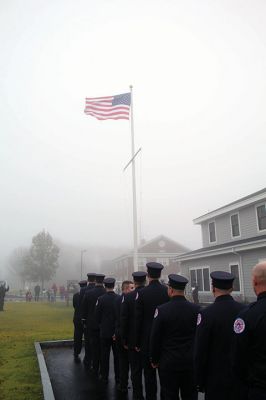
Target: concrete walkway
71,381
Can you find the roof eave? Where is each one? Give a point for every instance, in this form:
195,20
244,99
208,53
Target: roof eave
230,207
224,250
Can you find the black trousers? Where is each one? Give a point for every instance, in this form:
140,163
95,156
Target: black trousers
136,373
222,393
257,394
78,334
106,345
123,365
2,298
88,347
174,383
96,350
150,377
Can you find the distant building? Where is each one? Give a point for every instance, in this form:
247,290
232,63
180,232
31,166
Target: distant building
233,240
160,249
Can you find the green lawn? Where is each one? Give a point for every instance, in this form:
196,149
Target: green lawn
21,324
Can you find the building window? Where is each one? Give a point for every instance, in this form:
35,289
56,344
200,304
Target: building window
212,232
234,269
261,214
235,225
200,277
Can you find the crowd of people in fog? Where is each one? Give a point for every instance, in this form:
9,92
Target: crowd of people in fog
219,349
51,294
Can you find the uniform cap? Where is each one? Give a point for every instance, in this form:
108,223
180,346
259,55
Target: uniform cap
177,281
91,276
139,276
222,279
154,269
99,278
109,282
82,283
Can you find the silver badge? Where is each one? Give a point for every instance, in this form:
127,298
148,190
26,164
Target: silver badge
199,319
239,325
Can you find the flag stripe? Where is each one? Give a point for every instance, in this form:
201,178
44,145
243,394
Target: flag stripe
104,118
108,107
104,109
100,98
107,114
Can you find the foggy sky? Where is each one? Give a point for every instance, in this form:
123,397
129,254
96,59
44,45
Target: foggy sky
198,72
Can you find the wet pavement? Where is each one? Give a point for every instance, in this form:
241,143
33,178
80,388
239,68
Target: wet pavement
71,381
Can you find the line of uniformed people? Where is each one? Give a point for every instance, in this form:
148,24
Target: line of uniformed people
191,348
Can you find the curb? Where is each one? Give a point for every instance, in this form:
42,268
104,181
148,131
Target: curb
48,393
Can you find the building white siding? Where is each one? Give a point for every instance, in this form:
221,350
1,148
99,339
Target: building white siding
246,260
248,227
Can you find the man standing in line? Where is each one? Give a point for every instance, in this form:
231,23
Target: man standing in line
172,342
147,300
37,290
87,361
105,316
78,326
249,355
195,294
214,339
88,318
127,330
127,287
3,289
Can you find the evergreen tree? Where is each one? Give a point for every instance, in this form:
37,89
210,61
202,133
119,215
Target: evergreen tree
42,260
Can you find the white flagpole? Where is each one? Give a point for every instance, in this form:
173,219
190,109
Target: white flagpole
135,225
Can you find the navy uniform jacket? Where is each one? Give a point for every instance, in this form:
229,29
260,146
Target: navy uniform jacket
147,300
105,314
118,304
249,356
90,286
88,306
173,333
213,347
77,298
83,291
127,318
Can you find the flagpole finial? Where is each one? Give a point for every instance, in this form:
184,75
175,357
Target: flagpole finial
131,86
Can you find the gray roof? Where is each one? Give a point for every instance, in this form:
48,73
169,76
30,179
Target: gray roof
223,245
250,196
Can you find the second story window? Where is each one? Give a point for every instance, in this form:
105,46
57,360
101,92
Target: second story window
261,214
212,232
234,269
235,225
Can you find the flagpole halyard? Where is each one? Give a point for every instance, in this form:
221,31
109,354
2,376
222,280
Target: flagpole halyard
134,202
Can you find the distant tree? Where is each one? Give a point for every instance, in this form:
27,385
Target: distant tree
17,263
42,260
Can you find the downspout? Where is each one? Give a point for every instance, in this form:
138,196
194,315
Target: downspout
241,272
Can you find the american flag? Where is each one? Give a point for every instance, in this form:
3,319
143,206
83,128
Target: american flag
109,107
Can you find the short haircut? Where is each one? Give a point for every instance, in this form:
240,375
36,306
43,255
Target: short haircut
125,284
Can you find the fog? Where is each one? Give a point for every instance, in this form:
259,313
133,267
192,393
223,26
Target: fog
198,75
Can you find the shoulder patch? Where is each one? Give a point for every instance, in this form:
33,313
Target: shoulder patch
137,296
239,325
156,313
199,319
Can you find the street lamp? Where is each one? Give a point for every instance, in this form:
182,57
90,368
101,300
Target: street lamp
81,259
